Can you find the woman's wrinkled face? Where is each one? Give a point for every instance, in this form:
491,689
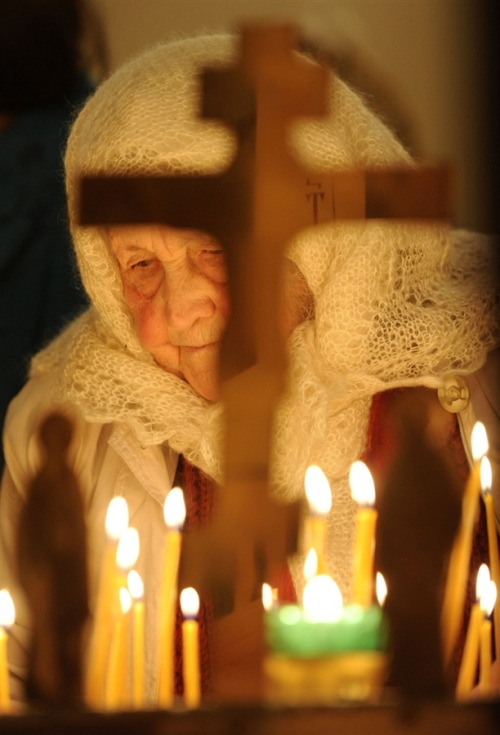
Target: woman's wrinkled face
175,284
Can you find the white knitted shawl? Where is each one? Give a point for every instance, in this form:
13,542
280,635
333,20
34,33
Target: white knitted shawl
395,304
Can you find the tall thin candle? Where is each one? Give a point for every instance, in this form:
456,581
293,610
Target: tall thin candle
485,641
190,605
363,492
319,497
454,596
486,481
174,511
116,685
468,665
136,589
7,618
115,524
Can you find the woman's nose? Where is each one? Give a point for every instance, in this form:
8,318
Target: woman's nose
188,299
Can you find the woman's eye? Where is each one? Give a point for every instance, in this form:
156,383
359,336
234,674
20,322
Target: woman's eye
142,264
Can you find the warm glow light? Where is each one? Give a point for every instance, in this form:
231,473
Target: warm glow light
116,518
310,564
479,441
267,597
127,552
361,482
380,588
190,602
318,492
485,474
482,580
174,509
135,585
7,609
125,600
322,600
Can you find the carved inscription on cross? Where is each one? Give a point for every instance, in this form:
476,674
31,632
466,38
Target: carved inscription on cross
268,198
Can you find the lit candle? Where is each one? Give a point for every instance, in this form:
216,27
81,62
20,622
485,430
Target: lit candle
127,553
363,492
456,582
380,589
190,605
486,479
136,589
174,512
319,498
115,524
116,685
7,618
269,596
487,606
322,600
468,665
323,627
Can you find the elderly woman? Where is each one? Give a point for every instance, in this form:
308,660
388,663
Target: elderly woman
387,306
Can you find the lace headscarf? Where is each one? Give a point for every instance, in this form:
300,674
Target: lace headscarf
394,304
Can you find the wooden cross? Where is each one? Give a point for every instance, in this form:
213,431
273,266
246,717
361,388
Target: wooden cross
268,198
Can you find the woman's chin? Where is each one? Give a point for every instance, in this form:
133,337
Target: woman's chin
205,384
211,392
201,371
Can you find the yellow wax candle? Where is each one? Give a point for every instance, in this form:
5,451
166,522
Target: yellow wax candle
485,595
488,601
485,473
319,497
116,685
115,524
190,605
363,492
456,582
7,618
174,511
470,656
485,659
136,589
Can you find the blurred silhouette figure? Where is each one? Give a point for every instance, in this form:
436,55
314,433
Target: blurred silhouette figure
50,50
52,566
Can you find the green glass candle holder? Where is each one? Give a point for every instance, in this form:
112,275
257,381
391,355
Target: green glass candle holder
324,662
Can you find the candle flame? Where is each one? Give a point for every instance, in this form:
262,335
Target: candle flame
174,509
190,602
135,585
125,600
322,600
7,609
318,491
310,564
361,482
116,518
128,549
267,597
485,474
482,580
488,598
479,441
380,588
